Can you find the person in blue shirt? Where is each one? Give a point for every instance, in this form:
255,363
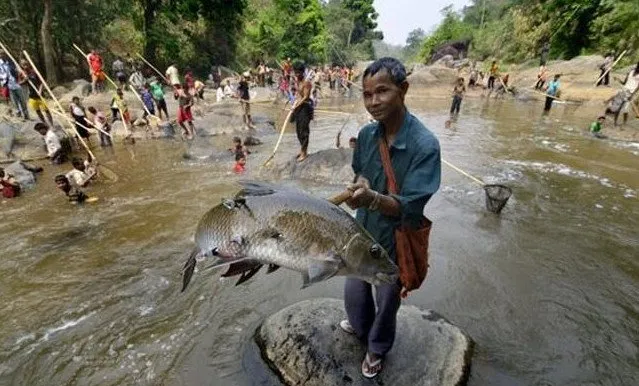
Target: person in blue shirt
552,92
147,99
415,157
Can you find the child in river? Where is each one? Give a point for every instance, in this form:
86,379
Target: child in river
238,147
597,126
240,163
75,195
83,172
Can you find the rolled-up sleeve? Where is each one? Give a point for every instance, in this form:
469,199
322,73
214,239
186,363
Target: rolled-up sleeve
420,183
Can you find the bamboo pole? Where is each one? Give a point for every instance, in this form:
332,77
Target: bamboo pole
46,86
477,180
610,68
154,69
279,140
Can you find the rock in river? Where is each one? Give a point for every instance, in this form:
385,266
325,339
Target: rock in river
304,345
331,165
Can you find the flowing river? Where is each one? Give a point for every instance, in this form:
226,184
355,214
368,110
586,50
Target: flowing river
548,290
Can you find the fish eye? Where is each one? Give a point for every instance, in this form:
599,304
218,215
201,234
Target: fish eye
376,251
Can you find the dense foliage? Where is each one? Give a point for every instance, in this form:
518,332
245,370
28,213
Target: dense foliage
516,30
193,33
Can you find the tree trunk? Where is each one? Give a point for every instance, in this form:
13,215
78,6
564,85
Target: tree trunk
150,42
48,51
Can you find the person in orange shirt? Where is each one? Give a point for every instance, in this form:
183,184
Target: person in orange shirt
97,76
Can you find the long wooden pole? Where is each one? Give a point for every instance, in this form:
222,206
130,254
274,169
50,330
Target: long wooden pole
477,180
152,67
279,140
610,68
46,86
15,62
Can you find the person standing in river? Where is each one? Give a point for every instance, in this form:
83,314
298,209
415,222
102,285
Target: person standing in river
415,162
244,96
552,92
493,74
458,96
303,113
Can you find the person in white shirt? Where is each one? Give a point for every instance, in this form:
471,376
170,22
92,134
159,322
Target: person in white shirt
172,75
228,90
82,172
54,149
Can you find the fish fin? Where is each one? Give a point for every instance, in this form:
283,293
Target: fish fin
272,268
189,268
241,267
320,270
255,189
248,274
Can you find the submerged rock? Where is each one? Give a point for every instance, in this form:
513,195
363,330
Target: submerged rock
304,345
331,165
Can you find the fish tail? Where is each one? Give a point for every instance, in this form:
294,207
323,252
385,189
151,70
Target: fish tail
189,268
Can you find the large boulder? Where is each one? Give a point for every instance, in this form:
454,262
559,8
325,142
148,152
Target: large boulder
25,177
304,346
331,166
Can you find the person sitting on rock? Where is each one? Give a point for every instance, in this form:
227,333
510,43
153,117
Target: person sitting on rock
75,195
55,151
10,187
240,163
83,172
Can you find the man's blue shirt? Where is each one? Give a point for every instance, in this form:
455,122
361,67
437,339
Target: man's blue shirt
416,160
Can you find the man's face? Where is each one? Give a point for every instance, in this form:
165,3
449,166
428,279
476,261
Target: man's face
62,185
382,97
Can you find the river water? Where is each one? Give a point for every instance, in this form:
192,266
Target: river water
548,290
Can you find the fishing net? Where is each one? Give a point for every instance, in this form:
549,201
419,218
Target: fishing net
496,197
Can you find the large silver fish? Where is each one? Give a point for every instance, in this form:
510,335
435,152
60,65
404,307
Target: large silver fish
283,227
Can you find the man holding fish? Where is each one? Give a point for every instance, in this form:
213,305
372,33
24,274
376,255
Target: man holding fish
398,167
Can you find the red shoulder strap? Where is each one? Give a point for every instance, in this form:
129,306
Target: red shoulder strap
388,166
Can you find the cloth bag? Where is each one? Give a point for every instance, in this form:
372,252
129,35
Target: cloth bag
411,245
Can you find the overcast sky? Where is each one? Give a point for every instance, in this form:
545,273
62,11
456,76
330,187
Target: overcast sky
398,17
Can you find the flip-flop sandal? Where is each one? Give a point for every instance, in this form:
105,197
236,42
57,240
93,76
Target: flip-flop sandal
346,326
370,369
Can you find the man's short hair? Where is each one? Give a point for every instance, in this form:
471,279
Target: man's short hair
239,155
394,67
77,161
61,178
40,126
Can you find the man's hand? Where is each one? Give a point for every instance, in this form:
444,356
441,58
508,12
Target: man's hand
362,194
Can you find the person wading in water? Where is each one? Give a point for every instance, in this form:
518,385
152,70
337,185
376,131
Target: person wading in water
303,114
400,146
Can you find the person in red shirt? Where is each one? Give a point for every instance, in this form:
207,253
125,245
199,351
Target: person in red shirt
240,163
10,187
97,76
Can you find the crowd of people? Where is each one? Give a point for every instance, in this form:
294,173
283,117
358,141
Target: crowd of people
619,105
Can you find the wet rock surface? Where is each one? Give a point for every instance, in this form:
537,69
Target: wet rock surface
21,173
331,165
304,345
